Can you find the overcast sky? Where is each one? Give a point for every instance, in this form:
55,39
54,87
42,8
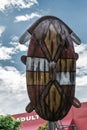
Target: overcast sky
15,17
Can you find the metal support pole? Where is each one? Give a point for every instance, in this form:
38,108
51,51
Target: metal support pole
51,125
74,127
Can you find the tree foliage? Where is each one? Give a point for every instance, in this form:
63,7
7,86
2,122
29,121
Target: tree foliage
9,123
45,127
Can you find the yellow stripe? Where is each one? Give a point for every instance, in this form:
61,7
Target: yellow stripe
33,78
53,99
51,38
66,65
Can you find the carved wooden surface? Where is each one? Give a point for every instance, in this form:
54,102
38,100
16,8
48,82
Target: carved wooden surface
51,70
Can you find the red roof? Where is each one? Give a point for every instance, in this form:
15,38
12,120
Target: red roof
30,121
76,116
80,116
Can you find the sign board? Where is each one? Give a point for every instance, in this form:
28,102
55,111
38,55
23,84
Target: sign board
51,68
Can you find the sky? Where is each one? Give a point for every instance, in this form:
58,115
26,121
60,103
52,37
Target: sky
15,17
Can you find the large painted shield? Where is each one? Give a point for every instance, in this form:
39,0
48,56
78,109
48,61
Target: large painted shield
51,69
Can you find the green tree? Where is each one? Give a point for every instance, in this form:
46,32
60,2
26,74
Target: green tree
9,123
45,127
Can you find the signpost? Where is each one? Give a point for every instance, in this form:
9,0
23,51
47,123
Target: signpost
51,125
50,68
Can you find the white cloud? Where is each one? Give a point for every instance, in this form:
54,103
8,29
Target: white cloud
14,38
6,4
26,17
82,51
81,79
13,93
17,46
5,53
2,29
11,78
81,87
20,47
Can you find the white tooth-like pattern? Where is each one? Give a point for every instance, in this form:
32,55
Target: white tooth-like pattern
42,64
64,78
34,64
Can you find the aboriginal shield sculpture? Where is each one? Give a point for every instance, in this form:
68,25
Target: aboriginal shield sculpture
50,68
